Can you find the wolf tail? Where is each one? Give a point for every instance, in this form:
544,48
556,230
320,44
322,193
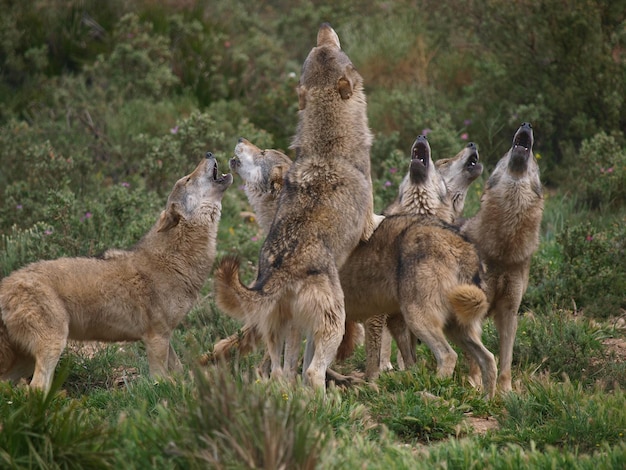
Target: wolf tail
235,298
243,341
469,303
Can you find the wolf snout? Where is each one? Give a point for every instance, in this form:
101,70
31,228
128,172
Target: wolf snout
234,164
209,155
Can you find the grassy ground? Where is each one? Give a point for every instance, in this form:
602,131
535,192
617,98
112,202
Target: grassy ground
568,408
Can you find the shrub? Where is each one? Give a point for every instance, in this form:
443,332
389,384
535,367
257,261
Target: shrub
600,172
593,272
560,344
223,432
563,415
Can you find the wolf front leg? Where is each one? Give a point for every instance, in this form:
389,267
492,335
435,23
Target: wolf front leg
504,311
157,349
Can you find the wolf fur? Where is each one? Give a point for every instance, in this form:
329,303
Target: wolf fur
418,268
458,173
324,210
141,294
505,231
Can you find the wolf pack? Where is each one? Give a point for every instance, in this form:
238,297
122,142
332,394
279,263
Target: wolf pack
329,266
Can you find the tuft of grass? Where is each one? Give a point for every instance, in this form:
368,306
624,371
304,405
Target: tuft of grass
563,415
234,420
50,431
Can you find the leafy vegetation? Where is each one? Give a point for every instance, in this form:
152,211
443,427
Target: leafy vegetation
105,104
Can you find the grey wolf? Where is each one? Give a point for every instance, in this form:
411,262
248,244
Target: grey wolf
505,231
418,267
458,173
140,294
262,171
325,208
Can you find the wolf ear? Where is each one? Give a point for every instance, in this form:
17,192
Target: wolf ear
345,85
301,97
276,179
170,218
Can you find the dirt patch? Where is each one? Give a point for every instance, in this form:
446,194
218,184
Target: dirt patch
616,348
482,425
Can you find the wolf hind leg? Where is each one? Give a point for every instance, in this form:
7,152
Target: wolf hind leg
373,345
291,355
46,359
469,339
157,349
320,302
405,341
427,326
173,361
505,320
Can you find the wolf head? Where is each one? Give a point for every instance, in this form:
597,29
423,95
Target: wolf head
328,67
423,190
195,194
518,165
264,169
459,172
263,172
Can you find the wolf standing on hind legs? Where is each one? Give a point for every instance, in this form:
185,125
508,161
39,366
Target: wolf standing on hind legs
324,210
506,233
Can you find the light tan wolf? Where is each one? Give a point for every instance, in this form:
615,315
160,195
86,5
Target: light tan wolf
417,267
324,210
506,233
141,294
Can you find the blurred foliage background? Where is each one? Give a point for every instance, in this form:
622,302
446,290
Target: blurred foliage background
105,104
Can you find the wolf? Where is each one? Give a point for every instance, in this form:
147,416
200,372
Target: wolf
325,208
458,173
506,231
262,171
419,268
140,294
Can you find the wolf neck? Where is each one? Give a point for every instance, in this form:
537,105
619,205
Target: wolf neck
188,248
507,226
418,201
330,122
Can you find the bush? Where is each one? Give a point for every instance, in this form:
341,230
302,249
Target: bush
594,268
600,172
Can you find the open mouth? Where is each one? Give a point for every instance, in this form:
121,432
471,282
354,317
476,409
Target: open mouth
215,175
421,151
420,159
521,147
472,160
523,139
